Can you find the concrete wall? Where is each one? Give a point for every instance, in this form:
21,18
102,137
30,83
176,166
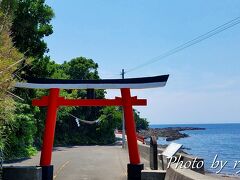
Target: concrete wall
153,175
22,173
185,174
144,151
172,173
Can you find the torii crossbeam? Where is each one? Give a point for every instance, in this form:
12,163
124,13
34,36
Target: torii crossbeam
53,101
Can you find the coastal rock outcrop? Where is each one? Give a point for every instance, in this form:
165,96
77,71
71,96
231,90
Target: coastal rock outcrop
170,133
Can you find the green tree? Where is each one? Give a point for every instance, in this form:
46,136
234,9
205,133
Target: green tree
77,68
81,68
111,118
31,23
22,134
141,123
27,21
9,58
8,7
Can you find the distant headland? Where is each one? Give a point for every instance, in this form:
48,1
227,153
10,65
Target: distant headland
170,133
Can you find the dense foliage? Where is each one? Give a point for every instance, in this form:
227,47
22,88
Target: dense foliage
9,55
31,22
26,22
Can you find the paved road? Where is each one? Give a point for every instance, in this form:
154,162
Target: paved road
86,163
90,163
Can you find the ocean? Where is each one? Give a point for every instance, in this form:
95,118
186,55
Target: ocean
222,140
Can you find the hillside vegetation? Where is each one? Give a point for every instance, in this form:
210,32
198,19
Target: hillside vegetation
23,25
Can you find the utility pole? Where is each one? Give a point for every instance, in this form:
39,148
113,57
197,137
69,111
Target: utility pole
123,120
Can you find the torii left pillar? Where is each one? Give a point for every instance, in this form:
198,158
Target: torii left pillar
48,137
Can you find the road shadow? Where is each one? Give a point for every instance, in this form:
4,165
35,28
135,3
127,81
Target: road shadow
19,160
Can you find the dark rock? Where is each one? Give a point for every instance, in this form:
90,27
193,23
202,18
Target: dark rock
170,133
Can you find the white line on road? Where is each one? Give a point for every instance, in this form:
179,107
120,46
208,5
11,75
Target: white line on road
60,169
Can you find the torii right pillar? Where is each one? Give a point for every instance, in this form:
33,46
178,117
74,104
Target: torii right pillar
134,168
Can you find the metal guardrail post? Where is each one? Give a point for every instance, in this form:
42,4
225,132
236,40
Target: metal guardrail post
1,163
153,153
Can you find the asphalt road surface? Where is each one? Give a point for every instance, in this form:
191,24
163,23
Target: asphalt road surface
86,163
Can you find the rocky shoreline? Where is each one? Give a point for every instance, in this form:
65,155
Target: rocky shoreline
170,133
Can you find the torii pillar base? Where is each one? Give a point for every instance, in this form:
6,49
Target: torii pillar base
47,172
134,171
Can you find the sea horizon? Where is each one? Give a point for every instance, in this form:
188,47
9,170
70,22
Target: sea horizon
192,123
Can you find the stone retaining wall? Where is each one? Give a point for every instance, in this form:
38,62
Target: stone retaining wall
185,174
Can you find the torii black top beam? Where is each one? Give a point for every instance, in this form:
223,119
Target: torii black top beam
132,83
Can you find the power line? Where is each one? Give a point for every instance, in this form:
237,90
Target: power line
192,42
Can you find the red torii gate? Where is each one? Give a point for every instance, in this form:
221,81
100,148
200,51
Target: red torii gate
53,101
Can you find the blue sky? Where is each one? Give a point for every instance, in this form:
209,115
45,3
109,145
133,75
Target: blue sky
204,84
